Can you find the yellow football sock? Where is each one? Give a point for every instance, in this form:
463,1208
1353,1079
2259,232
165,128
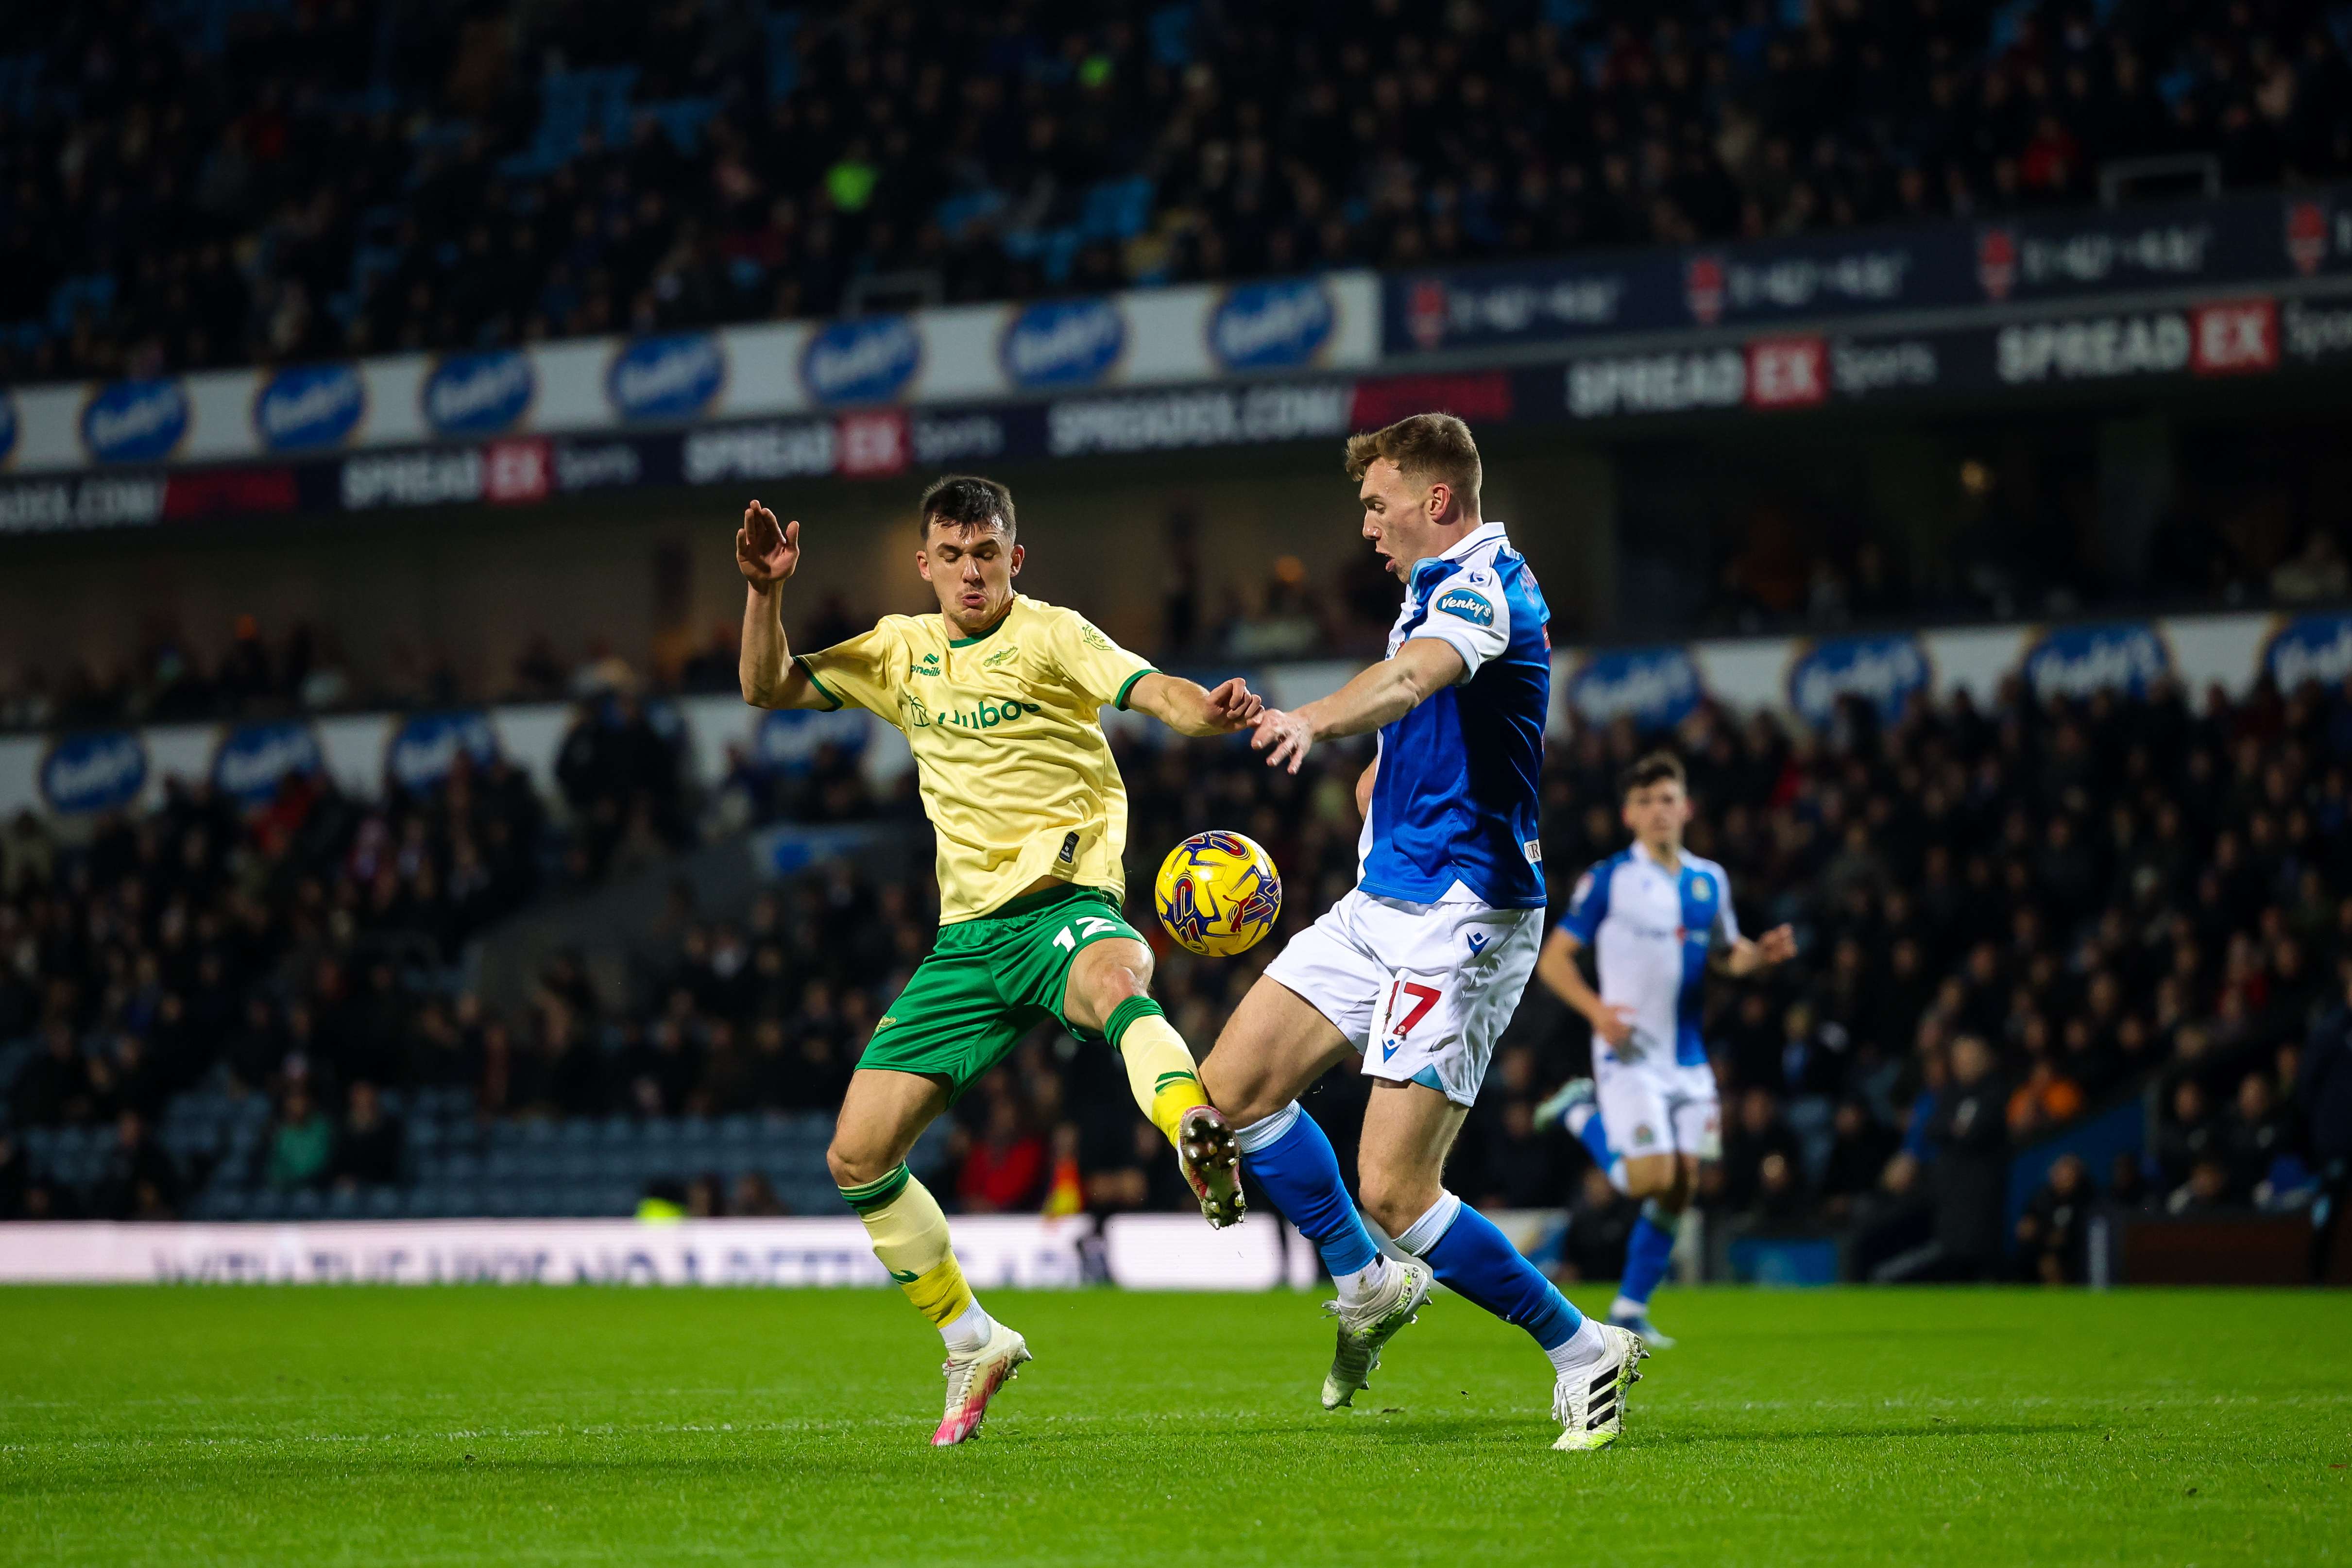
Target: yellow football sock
1159,1069
909,1233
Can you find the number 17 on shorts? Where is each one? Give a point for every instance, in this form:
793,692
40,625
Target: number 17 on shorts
1412,1026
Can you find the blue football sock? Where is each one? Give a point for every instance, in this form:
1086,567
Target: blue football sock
1647,1252
1293,1161
1478,1262
1595,1139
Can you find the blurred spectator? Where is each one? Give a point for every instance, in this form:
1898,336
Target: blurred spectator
139,1182
367,1151
301,1144
2051,1233
1004,1169
1971,1170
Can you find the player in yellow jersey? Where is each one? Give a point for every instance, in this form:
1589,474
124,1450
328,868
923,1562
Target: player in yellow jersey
999,696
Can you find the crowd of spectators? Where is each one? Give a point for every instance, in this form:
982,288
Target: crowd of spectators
185,185
2013,915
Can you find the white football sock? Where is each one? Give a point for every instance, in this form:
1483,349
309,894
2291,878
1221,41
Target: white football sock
1577,1115
1581,1348
1626,1307
1357,1289
968,1329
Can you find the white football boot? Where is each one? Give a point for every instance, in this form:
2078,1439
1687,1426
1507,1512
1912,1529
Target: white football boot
1364,1329
1589,1401
973,1381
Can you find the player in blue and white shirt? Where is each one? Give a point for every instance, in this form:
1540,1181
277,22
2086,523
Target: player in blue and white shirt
1655,916
1418,969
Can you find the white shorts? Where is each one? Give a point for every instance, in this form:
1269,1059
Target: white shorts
1667,1109
1422,990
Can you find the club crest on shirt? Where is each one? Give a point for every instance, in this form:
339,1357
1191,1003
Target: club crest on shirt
1010,651
1092,639
1469,606
1643,1135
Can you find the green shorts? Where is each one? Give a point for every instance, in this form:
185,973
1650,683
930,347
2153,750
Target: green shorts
989,981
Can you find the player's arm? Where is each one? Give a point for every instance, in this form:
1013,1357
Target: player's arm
1190,708
1380,695
1364,782
1556,967
768,555
1742,957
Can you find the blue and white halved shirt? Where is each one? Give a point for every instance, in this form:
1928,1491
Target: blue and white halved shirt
1454,796
1650,930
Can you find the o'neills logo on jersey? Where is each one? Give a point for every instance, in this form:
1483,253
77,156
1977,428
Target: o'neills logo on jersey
2306,234
1997,262
1703,286
989,715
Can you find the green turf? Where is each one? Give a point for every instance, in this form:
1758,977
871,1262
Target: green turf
313,1425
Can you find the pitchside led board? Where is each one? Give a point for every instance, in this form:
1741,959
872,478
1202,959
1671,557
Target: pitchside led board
81,776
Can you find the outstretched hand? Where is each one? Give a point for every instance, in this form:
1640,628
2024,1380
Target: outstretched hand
766,554
1233,706
1285,738
1777,945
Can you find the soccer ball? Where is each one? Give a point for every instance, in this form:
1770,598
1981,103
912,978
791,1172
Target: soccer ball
1218,893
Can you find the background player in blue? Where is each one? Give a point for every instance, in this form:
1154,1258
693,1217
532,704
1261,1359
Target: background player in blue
1420,967
1654,915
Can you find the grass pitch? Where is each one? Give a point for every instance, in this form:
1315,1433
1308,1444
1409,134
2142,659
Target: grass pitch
315,1424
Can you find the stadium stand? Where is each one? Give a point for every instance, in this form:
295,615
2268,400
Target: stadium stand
2014,916
187,183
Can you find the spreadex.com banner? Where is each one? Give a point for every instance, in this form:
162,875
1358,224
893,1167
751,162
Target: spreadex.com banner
2235,243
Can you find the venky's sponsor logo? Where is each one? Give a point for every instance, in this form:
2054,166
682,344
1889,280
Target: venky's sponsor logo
1787,372
1280,325
425,746
790,739
135,421
672,375
413,479
97,771
1657,384
2239,337
479,393
253,759
2094,349
1883,670
1654,686
2310,648
780,450
869,359
1062,342
2074,661
306,406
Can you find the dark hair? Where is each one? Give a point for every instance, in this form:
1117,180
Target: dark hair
1424,446
1656,768
964,501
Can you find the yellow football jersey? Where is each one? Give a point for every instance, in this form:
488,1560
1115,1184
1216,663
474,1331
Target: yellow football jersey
1006,730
